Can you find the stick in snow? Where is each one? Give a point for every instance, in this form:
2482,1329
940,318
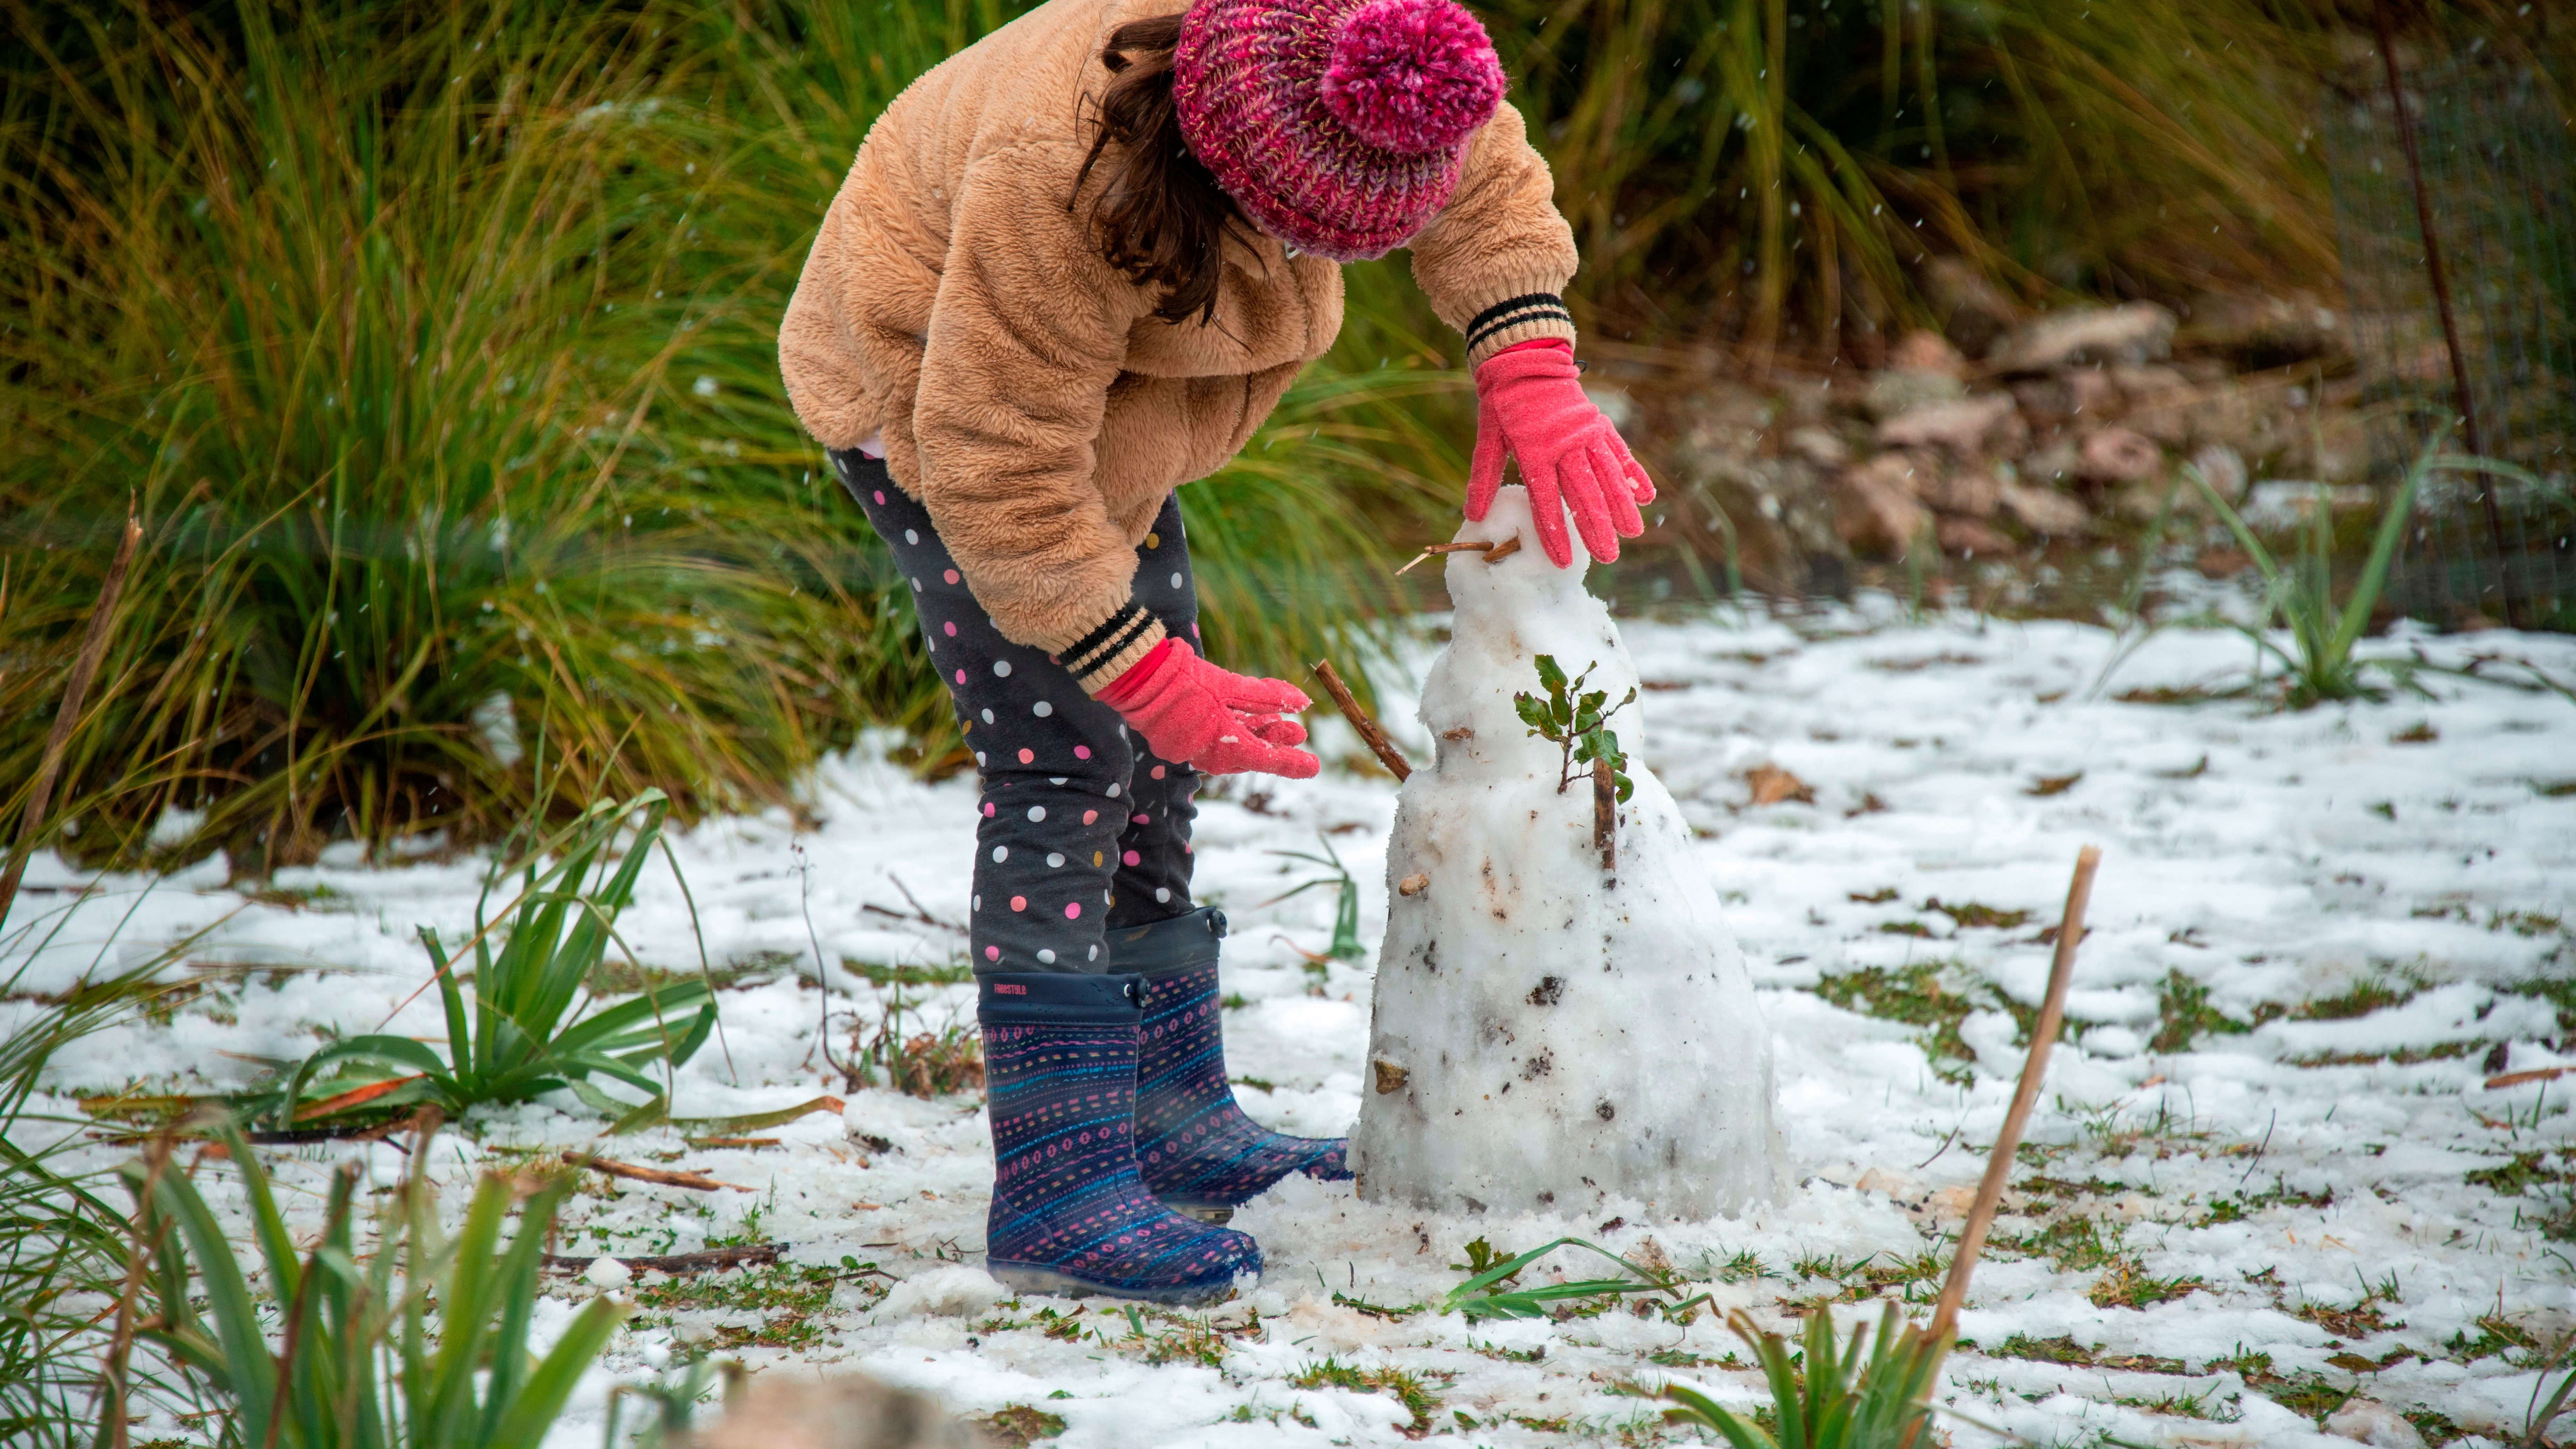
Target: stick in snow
1387,754
84,668
697,1181
1605,813
2034,1069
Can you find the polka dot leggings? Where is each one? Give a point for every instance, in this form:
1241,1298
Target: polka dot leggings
1083,828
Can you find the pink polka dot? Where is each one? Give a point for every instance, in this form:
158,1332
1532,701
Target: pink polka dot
1186,850
992,953
1019,903
1144,819
1132,858
951,627
1088,816
881,495
1082,752
961,676
1028,756
1158,772
950,576
1073,910
988,809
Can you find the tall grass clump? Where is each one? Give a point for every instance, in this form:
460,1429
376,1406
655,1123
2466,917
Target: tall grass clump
1786,168
62,1244
1873,1393
526,1031
2318,664
420,334
418,1339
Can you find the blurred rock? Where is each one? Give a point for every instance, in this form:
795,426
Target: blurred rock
846,1411
1965,489
1874,511
2224,467
2044,510
1783,513
1923,351
2117,455
1971,310
2255,332
1891,394
1968,428
2131,332
2056,463
1820,446
2368,1421
1971,538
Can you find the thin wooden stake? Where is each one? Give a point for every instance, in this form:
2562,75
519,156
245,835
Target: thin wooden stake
40,797
2034,1069
1605,813
1387,754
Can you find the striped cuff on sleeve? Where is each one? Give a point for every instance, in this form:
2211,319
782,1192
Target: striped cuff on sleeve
1114,647
1531,317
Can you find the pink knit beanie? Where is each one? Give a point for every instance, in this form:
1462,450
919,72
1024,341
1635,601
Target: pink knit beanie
1338,125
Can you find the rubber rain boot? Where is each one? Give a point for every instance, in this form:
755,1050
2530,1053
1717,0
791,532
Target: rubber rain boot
1200,1153
1071,1214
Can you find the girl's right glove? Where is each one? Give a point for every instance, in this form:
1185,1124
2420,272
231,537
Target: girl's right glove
1530,406
1221,722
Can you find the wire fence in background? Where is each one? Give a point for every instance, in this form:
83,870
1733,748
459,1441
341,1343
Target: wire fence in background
2472,328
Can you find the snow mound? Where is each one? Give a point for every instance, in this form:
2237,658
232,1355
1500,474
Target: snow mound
955,1292
1548,1035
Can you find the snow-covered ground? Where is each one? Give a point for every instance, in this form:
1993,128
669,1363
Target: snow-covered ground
2314,936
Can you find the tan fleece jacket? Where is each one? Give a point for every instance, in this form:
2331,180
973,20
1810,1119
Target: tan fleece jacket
956,302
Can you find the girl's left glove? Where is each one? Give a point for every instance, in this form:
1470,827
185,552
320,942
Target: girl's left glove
1221,722
1530,406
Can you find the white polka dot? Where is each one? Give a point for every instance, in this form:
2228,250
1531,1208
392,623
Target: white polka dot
916,586
1176,581
1055,860
979,903
988,716
1037,812
930,644
1113,792
1001,669
979,757
1055,779
1042,709
1095,954
1001,853
1046,955
1160,895
911,537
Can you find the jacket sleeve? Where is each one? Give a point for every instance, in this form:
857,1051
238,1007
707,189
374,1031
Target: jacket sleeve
1027,334
1496,259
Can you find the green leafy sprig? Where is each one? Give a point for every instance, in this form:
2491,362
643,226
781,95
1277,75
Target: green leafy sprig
1573,719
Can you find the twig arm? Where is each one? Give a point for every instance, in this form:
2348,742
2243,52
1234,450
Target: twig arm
1387,754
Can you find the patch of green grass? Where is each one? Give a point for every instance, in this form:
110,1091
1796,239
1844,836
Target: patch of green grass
2498,1337
952,974
2184,1016
2073,1243
1973,916
2436,1427
1017,1426
2360,1001
2127,1284
2307,1395
1407,1387
1914,995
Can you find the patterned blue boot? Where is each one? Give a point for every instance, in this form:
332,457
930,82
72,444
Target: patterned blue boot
1200,1153
1070,1214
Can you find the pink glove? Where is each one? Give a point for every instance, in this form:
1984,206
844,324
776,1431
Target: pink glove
1530,405
1221,722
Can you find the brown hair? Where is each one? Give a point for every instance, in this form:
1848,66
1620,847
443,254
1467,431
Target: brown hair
1161,218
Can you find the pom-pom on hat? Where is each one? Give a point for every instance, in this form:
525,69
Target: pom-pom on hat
1339,126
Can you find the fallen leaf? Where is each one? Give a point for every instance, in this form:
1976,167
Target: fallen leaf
1771,785
2054,784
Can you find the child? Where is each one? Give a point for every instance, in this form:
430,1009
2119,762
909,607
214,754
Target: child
1073,268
